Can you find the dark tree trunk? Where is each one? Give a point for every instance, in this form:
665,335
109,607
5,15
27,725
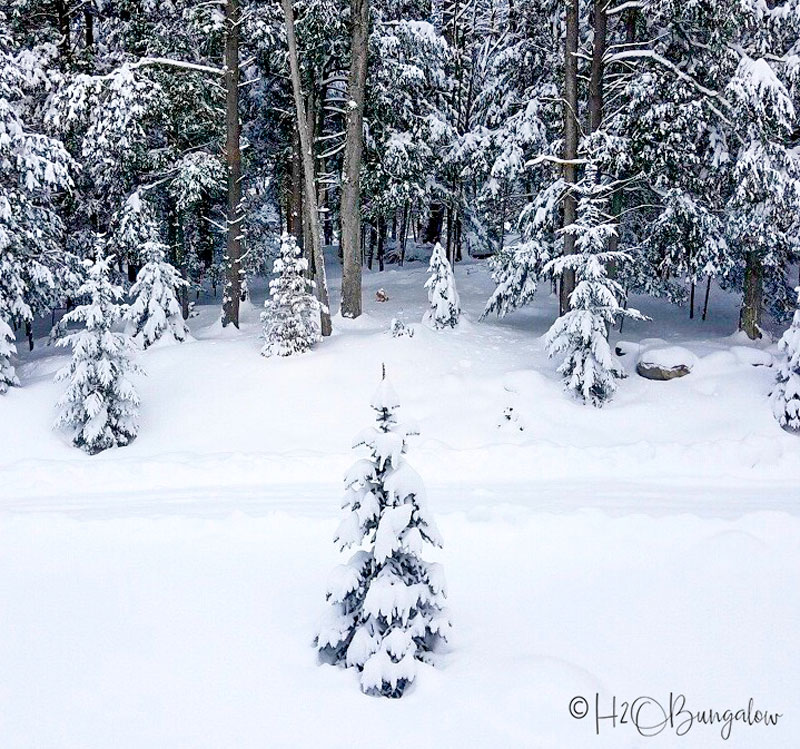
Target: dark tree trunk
373,235
570,144
449,248
618,199
750,317
599,26
705,303
311,119
403,233
64,41
381,241
205,240
350,207
233,159
88,20
294,202
433,230
310,211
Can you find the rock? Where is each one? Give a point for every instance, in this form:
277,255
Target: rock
625,348
655,372
381,295
665,363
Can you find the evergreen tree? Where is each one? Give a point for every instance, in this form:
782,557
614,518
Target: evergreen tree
100,404
786,395
387,603
8,377
590,368
156,310
12,306
35,172
291,315
445,306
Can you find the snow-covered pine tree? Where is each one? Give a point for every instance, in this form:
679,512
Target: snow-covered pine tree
12,306
156,311
387,603
291,316
100,404
445,307
786,395
590,367
35,173
8,377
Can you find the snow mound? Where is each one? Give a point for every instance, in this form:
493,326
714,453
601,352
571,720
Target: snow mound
626,348
756,357
364,322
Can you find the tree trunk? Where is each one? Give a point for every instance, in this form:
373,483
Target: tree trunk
307,157
750,317
381,241
705,303
449,252
294,205
204,237
350,207
618,199
599,24
311,119
570,144
233,160
64,41
403,233
433,231
88,19
371,250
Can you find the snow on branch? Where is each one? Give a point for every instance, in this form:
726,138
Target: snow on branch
649,54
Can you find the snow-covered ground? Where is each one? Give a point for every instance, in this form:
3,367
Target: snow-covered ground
165,594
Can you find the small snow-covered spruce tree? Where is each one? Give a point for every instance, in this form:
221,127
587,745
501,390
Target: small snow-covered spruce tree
590,368
786,395
8,377
445,307
291,315
100,404
387,603
156,311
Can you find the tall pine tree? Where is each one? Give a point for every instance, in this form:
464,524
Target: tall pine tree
590,368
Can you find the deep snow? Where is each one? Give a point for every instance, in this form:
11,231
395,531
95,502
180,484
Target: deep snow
165,594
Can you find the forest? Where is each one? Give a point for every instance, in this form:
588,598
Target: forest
642,147
562,240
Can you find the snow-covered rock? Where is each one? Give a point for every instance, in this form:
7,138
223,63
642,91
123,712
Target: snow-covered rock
665,363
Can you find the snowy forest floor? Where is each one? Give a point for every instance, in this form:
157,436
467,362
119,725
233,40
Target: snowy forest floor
165,594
